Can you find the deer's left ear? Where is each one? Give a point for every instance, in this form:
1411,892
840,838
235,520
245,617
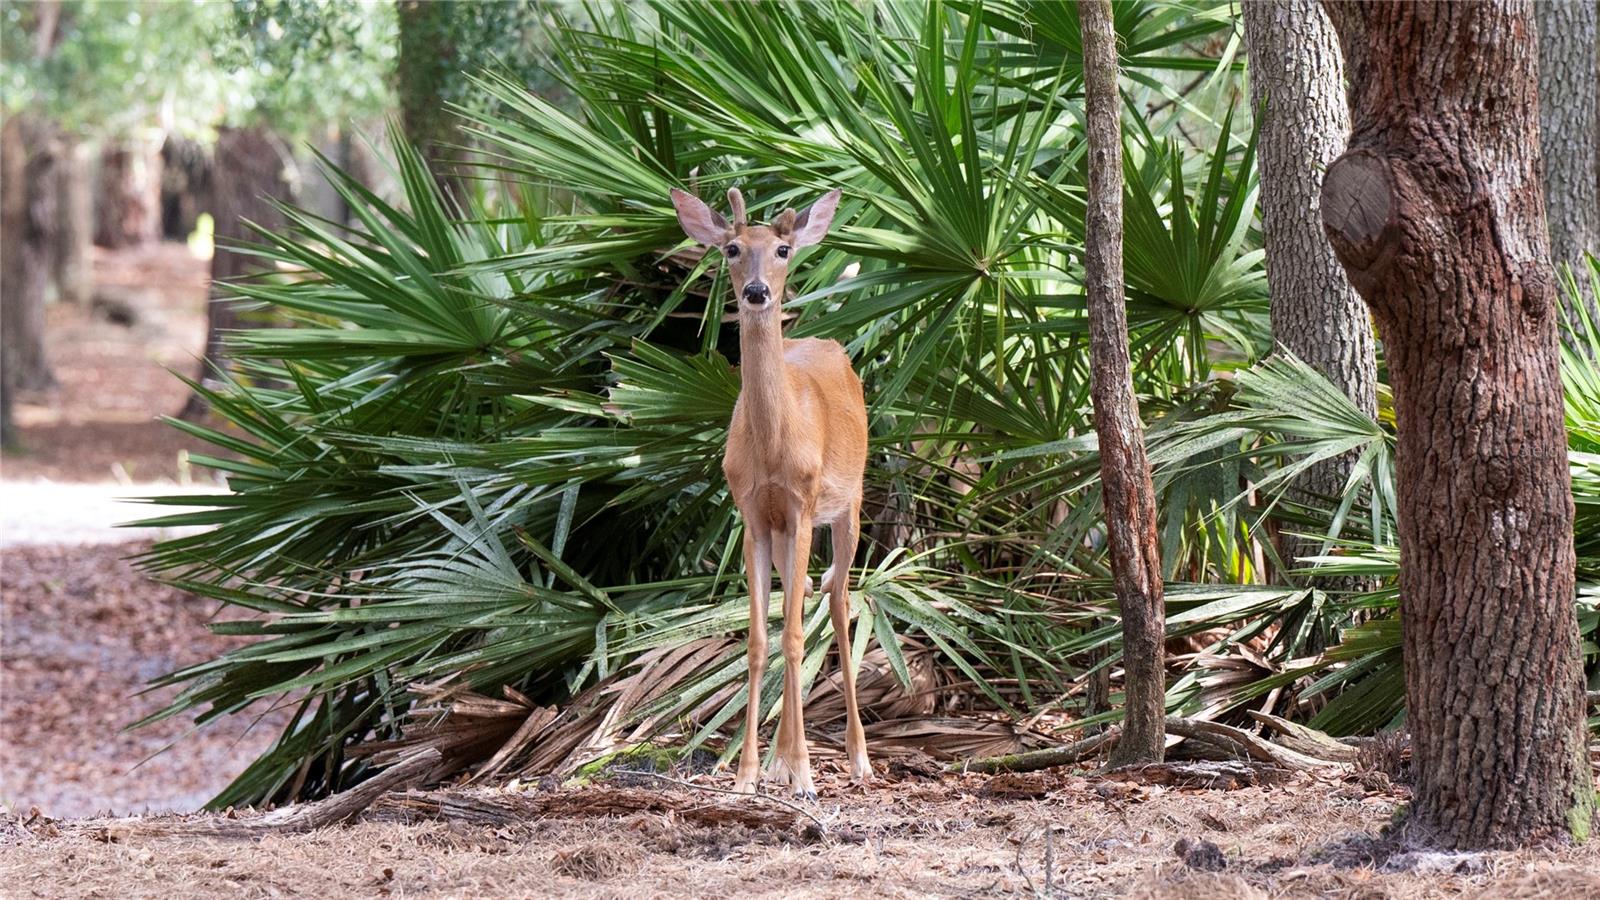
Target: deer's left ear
813,224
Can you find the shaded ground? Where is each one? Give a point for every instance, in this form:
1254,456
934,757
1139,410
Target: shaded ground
83,632
923,837
110,358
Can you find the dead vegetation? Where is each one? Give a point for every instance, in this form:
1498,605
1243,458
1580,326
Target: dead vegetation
1047,833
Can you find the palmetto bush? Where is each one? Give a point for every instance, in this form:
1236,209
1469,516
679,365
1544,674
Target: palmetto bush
475,496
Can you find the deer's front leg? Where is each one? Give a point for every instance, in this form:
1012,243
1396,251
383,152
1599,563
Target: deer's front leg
794,761
758,572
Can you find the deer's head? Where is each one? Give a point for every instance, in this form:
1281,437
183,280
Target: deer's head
758,255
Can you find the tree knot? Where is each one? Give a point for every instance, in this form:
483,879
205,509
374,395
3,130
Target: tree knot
1360,214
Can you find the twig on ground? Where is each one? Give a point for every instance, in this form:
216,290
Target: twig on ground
289,820
716,790
1034,760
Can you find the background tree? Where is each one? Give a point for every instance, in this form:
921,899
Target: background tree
1130,503
28,152
442,46
1436,212
1297,89
1569,135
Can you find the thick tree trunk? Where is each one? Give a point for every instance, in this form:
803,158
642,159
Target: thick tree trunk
1437,214
1569,136
29,188
1297,86
72,262
249,175
427,60
185,186
1130,505
128,202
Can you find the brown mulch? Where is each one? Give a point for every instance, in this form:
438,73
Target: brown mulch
940,836
83,633
100,423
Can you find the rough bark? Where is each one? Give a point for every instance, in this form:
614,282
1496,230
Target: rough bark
1297,87
1130,507
128,199
71,263
427,60
1569,136
250,173
28,185
1437,213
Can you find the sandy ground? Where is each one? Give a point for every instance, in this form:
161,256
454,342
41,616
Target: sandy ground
939,837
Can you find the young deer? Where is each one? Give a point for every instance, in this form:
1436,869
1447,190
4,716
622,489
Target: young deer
797,450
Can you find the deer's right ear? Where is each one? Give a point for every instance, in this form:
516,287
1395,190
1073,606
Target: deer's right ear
698,220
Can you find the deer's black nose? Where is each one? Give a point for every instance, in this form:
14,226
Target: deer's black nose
757,294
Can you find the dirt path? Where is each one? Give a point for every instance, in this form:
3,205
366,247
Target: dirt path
943,837
83,633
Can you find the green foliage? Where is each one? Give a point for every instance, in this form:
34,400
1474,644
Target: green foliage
119,65
489,449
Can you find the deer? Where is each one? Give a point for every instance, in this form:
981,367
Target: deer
795,459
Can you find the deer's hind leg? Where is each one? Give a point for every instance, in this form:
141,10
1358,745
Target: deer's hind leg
758,572
845,533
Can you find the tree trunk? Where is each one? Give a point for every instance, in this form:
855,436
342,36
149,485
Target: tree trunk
1130,504
427,60
249,174
1297,86
128,202
29,224
1569,137
72,264
1437,213
185,186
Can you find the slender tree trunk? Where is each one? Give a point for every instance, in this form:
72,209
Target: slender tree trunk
1130,504
128,202
249,174
29,226
1297,86
1437,213
72,263
427,60
1569,136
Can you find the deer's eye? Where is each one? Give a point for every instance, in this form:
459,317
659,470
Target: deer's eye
783,251
732,250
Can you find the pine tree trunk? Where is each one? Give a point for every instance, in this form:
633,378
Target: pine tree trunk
1130,506
1297,87
28,184
1437,213
1569,136
249,174
427,60
128,201
72,263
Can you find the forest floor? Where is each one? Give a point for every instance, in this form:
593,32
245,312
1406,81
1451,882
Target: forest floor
83,632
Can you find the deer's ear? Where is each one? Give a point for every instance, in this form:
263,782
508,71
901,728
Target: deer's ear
813,224
698,220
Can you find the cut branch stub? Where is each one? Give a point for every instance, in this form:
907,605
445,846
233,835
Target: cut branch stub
1359,213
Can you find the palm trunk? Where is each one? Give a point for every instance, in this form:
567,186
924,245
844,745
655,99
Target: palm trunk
1437,213
1296,84
1569,137
249,175
1130,506
128,202
28,184
72,262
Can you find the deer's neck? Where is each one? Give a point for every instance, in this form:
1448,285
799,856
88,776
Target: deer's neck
765,384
